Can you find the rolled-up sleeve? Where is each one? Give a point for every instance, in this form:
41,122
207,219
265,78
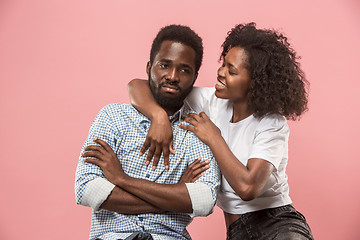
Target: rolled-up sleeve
96,192
201,198
203,191
91,186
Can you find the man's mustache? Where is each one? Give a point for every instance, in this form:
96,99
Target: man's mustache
171,85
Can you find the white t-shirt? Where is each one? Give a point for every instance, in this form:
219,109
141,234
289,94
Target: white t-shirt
265,138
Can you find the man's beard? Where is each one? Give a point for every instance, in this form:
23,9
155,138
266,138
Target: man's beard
170,103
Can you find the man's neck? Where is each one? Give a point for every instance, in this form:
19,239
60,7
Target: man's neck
171,111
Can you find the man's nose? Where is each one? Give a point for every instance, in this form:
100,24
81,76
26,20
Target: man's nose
172,75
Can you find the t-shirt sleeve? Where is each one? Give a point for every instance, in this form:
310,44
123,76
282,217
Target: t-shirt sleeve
199,99
271,140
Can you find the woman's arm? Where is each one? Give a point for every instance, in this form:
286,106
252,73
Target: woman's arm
247,181
159,137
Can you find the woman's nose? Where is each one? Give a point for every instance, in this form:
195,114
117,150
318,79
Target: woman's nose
220,72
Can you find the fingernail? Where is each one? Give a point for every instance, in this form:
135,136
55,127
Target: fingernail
167,167
153,167
147,163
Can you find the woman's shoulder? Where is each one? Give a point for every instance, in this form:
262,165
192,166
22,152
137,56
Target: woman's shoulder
203,99
207,94
272,121
202,92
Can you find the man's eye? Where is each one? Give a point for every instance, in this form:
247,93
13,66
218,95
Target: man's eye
185,70
232,73
163,65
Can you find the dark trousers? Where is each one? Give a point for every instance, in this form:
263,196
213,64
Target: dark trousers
139,236
282,223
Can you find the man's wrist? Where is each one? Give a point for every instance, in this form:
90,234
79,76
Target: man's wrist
122,180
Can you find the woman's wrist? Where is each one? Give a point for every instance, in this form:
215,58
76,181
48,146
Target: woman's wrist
159,116
216,142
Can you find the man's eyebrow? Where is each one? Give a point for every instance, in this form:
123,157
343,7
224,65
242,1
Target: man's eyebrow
164,60
186,66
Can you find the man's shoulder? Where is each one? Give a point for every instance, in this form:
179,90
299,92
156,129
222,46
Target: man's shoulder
118,113
192,141
118,108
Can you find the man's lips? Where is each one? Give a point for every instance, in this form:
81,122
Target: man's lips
170,88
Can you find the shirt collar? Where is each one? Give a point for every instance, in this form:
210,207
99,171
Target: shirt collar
183,111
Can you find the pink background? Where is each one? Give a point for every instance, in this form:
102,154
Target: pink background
61,61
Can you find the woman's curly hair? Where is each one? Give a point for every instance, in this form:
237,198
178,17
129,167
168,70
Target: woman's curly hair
278,83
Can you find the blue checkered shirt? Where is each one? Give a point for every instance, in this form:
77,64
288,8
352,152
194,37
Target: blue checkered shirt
124,129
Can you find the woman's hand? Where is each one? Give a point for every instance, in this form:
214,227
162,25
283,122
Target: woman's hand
158,140
202,127
104,157
194,171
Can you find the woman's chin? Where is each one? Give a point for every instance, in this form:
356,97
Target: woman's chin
218,94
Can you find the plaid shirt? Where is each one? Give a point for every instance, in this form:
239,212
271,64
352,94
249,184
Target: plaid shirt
125,129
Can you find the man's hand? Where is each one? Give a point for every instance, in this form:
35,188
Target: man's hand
158,140
104,157
194,171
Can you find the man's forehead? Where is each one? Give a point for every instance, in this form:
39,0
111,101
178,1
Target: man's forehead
176,51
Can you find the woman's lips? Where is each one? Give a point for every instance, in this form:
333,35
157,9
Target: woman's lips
220,85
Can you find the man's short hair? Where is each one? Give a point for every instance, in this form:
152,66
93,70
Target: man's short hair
181,34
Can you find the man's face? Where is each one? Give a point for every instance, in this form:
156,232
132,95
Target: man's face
172,74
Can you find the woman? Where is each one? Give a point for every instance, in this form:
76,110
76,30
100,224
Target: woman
259,86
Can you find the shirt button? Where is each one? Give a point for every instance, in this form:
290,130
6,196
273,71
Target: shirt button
147,175
141,219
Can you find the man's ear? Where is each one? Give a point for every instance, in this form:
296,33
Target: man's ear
148,66
196,75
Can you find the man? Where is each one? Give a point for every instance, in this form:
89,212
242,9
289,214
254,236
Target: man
130,200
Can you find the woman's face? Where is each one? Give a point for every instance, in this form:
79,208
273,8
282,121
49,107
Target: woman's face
233,77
